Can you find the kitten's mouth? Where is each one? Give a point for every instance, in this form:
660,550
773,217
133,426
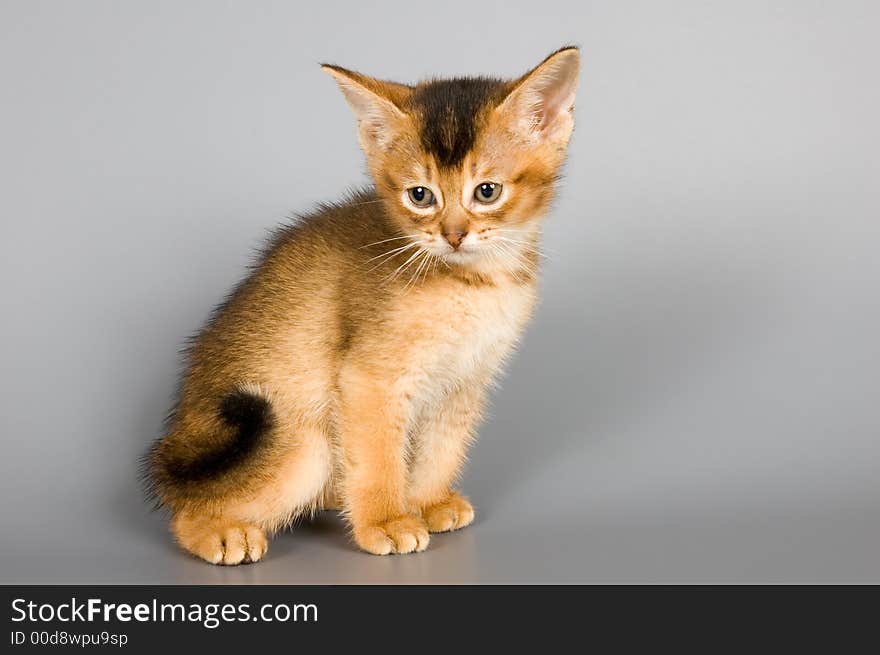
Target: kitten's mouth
466,253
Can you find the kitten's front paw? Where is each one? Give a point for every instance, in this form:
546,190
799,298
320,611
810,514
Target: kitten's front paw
451,514
405,534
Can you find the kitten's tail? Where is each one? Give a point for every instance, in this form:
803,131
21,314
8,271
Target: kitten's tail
202,460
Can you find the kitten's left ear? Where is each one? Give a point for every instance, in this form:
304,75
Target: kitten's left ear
541,102
375,103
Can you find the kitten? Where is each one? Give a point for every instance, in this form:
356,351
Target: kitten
349,370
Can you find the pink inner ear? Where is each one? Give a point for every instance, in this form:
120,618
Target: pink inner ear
556,94
557,105
548,92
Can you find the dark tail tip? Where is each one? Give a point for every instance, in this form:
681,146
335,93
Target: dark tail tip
248,418
248,412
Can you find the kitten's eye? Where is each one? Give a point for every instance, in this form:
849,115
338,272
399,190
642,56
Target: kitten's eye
487,192
421,196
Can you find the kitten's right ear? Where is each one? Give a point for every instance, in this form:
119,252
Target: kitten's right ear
375,103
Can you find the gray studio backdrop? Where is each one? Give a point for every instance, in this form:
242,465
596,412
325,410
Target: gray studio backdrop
697,399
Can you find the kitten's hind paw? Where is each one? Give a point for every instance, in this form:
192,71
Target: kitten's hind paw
221,543
405,534
451,514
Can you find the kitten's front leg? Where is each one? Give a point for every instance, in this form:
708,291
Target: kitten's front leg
372,433
440,450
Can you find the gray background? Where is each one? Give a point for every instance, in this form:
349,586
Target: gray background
697,399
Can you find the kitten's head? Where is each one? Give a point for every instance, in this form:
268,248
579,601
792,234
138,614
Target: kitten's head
466,166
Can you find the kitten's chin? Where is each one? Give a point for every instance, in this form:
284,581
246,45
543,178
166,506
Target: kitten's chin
477,260
462,257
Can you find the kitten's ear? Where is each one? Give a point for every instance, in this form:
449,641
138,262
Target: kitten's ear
375,103
541,102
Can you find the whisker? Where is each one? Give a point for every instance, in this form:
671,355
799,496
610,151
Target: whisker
530,236
498,261
497,248
393,251
376,243
529,247
389,256
405,265
415,276
431,267
508,250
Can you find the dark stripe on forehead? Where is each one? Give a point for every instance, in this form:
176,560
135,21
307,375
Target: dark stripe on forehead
448,111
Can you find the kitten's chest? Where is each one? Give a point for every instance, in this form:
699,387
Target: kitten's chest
467,332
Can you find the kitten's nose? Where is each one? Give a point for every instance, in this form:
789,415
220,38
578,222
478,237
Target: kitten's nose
455,237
